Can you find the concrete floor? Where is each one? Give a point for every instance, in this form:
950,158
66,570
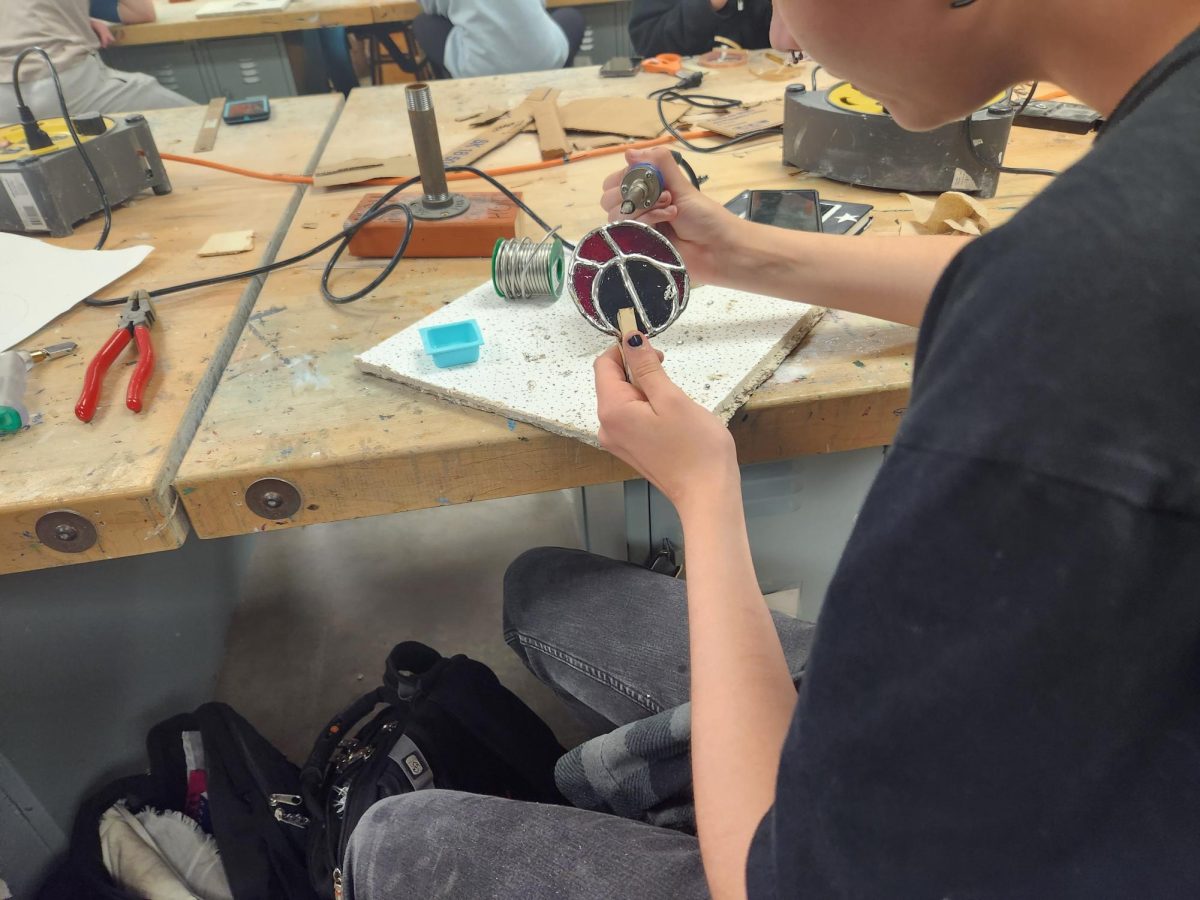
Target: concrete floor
321,606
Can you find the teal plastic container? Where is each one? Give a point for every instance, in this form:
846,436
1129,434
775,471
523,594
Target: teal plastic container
454,344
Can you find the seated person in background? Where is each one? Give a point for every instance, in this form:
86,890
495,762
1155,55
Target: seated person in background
689,27
465,38
64,30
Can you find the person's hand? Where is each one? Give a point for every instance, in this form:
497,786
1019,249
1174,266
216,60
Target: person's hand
651,424
701,229
103,32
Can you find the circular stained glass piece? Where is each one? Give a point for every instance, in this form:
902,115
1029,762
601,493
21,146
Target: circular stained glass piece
628,265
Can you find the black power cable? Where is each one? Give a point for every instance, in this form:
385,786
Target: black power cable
32,130
377,209
995,164
38,139
1028,98
707,101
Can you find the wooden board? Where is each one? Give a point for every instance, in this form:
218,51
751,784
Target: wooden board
178,21
211,125
117,471
293,405
536,362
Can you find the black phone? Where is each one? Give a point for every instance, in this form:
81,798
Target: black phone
799,210
621,67
250,109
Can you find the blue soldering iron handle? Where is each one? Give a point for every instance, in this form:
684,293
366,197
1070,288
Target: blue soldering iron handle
14,372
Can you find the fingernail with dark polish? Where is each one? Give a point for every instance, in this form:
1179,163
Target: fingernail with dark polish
635,340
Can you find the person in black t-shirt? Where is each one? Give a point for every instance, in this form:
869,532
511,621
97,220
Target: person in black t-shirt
1002,698
690,27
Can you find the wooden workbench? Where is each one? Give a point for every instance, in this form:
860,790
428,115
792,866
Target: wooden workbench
292,405
117,470
178,22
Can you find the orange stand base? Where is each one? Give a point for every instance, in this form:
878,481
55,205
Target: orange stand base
474,233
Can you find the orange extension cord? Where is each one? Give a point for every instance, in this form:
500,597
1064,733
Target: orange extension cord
452,176
495,173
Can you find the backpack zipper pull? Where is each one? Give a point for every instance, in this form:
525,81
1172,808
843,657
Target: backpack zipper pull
294,819
285,800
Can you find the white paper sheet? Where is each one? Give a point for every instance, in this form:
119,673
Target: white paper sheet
240,7
39,281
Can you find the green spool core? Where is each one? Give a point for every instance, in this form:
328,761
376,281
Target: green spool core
495,253
10,419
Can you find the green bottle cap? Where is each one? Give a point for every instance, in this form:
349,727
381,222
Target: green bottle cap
10,419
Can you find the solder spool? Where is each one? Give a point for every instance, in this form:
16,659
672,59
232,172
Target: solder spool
524,269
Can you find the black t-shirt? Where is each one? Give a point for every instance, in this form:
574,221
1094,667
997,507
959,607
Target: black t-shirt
689,27
1003,698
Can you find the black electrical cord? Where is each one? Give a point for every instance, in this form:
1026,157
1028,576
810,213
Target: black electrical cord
682,83
695,179
995,165
707,101
27,119
379,208
1028,99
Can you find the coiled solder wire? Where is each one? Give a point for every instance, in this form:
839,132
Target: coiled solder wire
523,269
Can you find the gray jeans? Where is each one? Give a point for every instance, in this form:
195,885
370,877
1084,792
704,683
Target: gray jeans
611,639
91,86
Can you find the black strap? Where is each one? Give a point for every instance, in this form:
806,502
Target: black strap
238,771
312,775
411,668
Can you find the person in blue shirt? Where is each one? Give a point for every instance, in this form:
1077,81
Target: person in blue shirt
72,32
465,38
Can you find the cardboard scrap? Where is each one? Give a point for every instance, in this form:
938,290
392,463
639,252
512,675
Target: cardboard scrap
630,116
364,168
737,122
495,135
227,243
952,213
552,140
581,142
487,117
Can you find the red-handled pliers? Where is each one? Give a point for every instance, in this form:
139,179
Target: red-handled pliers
136,319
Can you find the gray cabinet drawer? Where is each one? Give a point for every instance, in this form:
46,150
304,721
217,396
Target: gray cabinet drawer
174,65
245,66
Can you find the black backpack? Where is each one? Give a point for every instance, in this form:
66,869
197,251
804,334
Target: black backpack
251,806
445,723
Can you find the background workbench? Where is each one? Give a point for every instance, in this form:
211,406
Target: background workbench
281,54
117,470
178,22
292,405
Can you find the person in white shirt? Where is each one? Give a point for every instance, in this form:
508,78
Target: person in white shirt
72,33
465,38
